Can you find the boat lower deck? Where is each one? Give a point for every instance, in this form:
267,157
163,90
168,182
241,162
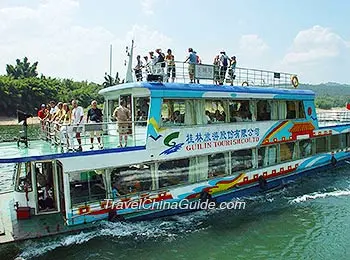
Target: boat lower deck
46,224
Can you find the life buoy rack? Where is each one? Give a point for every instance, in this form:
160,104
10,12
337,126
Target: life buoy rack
245,84
295,81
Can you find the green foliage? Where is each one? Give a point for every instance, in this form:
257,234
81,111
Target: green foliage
22,69
110,81
29,93
330,94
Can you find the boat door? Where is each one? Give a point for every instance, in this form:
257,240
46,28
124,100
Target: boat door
47,188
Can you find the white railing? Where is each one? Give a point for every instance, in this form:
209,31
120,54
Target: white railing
210,74
333,118
65,136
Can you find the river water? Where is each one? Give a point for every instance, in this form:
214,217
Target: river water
309,219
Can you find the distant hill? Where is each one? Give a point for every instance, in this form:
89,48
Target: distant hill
329,95
328,89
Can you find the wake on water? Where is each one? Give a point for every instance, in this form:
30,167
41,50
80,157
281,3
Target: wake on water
165,229
318,195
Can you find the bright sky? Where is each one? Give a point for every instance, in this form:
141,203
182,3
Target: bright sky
71,38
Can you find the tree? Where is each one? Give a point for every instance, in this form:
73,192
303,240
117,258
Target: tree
22,69
110,81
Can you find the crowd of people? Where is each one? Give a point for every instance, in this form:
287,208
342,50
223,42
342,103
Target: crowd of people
159,63
67,121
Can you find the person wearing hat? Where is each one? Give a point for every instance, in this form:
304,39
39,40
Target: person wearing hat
42,114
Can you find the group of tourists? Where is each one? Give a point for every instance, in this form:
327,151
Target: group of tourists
61,118
156,63
65,121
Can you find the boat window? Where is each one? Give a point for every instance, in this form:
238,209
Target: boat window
173,112
291,110
263,110
240,110
217,165
24,177
321,145
215,111
87,186
282,109
131,179
173,172
274,109
241,160
305,148
142,109
335,142
287,151
301,109
348,140
267,155
342,141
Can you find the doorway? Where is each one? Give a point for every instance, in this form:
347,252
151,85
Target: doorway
46,188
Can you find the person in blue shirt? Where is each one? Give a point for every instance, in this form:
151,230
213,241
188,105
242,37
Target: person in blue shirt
192,60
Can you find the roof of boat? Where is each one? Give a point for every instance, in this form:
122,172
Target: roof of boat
40,150
207,88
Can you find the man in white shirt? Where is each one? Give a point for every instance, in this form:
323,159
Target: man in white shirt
77,120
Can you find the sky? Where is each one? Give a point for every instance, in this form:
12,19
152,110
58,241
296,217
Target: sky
72,38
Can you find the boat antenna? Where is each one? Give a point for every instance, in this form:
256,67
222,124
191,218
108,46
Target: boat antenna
129,77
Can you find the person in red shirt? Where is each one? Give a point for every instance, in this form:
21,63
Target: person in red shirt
42,114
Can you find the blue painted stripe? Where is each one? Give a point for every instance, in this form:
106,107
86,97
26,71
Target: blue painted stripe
223,88
75,154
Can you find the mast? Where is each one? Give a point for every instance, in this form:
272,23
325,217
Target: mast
110,60
129,77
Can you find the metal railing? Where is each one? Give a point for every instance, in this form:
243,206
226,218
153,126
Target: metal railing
212,74
65,136
333,118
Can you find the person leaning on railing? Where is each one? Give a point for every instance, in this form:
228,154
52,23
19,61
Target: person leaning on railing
96,117
66,131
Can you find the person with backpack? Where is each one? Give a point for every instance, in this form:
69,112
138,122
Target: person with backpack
224,60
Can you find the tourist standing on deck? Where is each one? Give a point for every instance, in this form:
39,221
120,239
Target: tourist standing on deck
192,61
147,65
160,63
66,130
138,68
224,59
231,72
95,116
42,114
122,114
170,59
77,120
216,64
152,61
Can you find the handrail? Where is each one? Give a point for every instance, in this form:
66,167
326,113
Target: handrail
65,136
212,74
328,118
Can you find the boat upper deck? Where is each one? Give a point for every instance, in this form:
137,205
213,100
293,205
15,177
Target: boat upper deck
201,90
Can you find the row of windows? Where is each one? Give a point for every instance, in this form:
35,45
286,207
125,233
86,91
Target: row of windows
145,177
211,111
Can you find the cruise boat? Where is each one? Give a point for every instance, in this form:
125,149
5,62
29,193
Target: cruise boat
186,143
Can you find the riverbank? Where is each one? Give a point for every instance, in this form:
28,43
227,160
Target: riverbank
14,121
